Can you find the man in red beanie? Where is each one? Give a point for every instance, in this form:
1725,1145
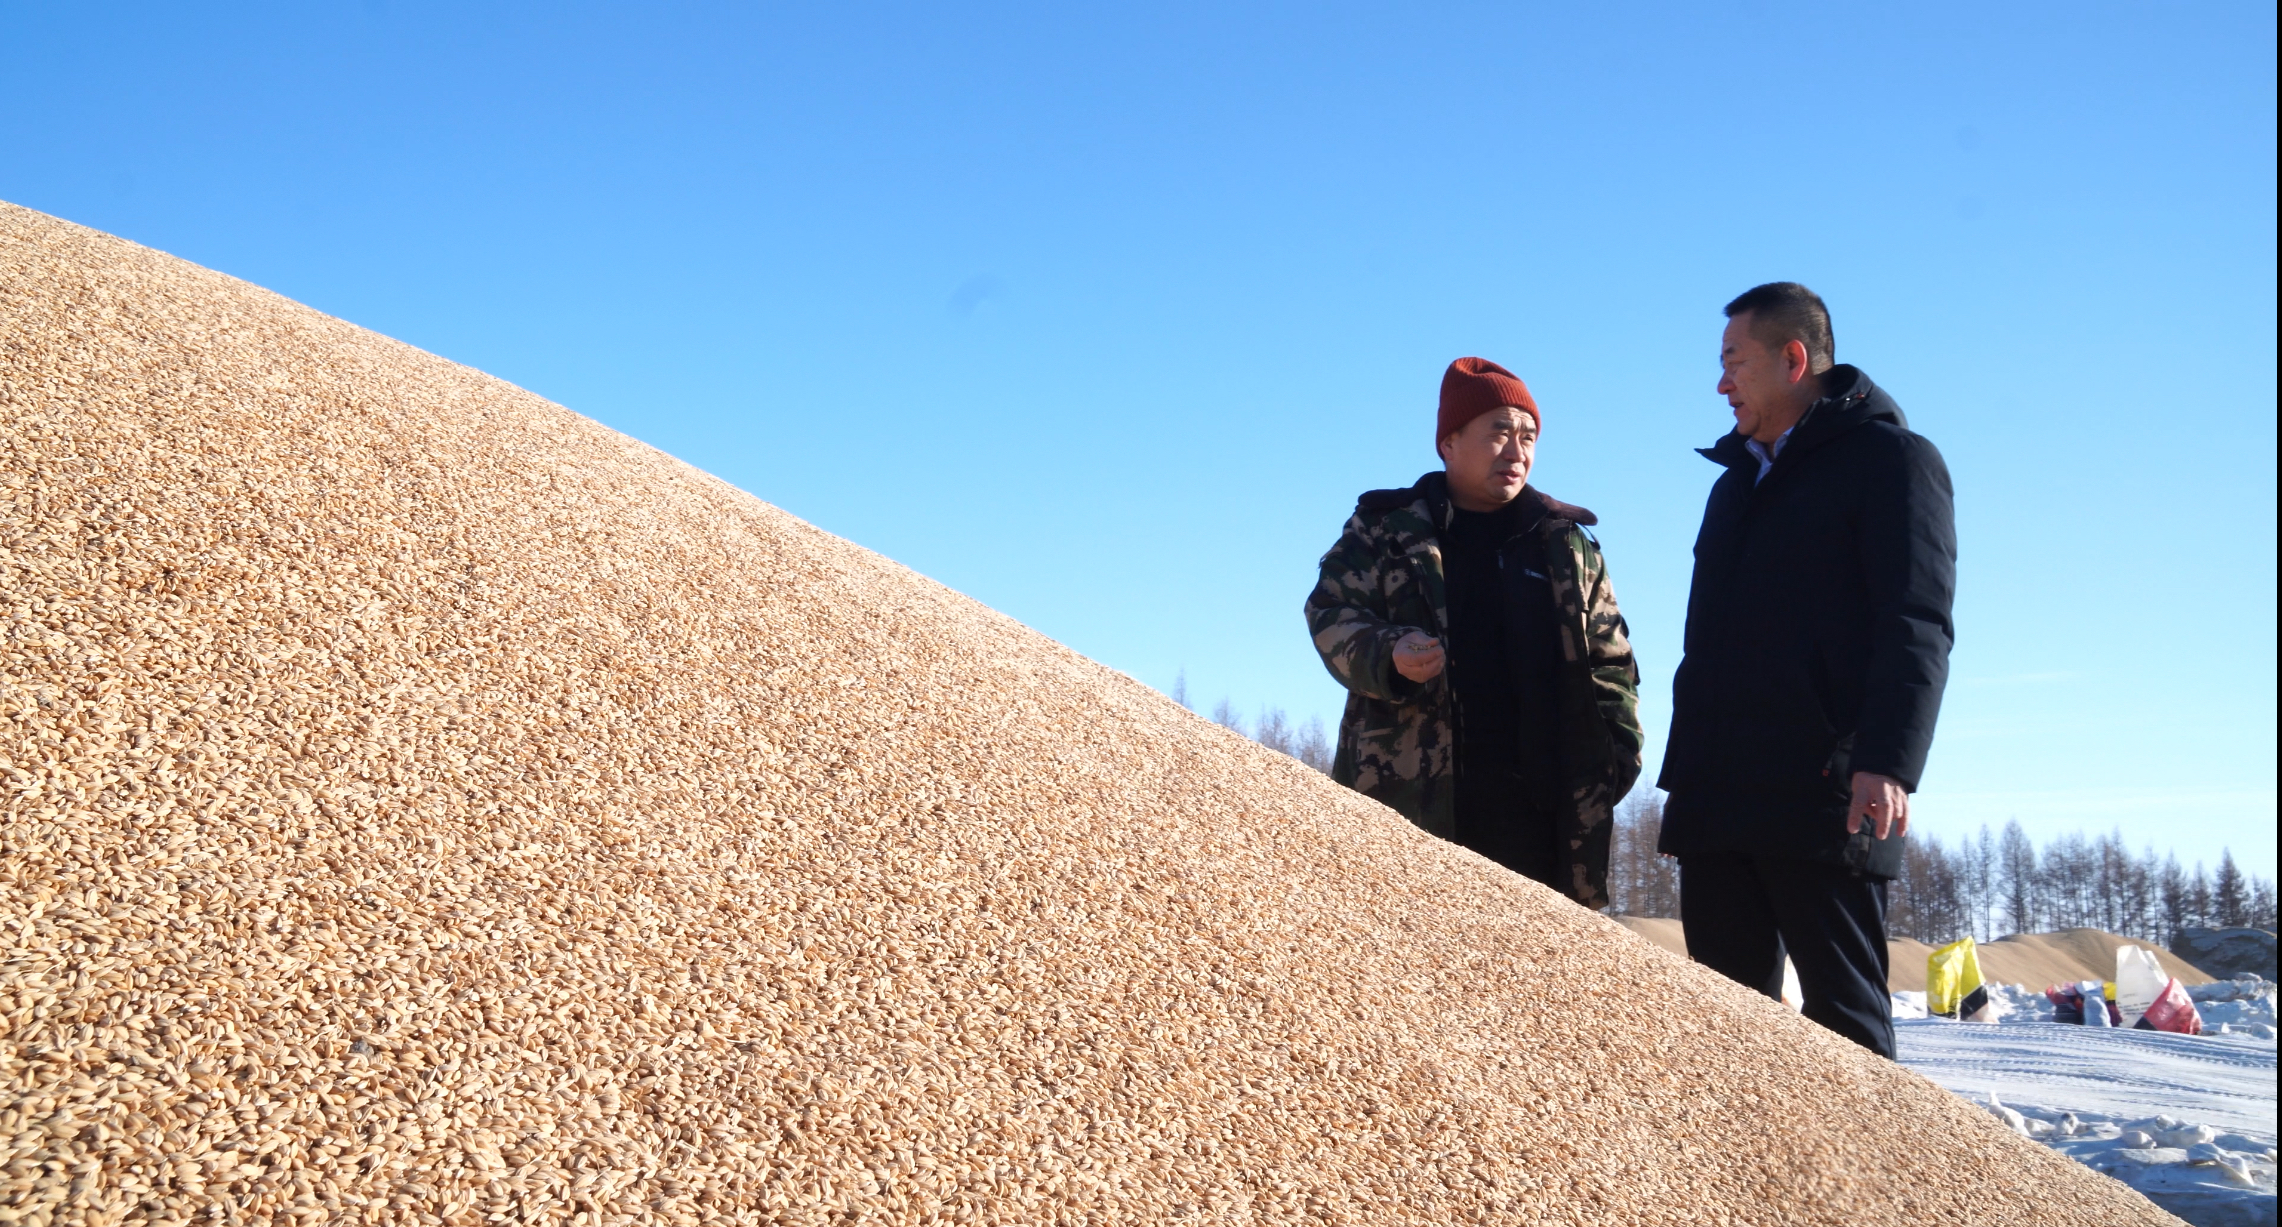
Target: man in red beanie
1492,693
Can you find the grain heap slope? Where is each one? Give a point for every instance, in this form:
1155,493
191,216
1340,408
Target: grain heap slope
423,804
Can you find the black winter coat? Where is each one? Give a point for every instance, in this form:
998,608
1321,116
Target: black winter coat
1818,634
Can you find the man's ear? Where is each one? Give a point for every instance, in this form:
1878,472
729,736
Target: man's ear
1442,449
1796,364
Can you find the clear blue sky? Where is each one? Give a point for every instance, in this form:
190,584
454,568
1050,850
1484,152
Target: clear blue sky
1105,318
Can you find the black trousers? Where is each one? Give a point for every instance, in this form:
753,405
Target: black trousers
1742,913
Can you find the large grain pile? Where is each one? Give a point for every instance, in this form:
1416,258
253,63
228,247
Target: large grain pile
425,805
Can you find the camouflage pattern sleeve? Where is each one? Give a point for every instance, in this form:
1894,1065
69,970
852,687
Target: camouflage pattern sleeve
1347,618
1616,675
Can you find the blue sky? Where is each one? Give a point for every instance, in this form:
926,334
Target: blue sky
1105,318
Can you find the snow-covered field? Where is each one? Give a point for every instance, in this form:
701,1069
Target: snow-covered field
2187,1120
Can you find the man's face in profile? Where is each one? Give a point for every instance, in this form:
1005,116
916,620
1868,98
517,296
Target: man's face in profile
1489,458
1754,378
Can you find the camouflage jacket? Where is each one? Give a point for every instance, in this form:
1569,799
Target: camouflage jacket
1398,740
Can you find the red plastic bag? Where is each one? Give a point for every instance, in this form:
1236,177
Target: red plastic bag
2173,1011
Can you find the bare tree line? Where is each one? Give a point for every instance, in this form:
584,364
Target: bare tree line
1984,885
1989,885
1641,882
1306,742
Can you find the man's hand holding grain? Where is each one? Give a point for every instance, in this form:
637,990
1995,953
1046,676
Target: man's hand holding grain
1418,656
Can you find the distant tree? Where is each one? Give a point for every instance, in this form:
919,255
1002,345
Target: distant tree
1952,917
1313,748
2089,883
2016,877
1925,901
2068,873
2106,881
2115,882
1978,883
2230,896
1641,881
2176,898
2144,915
2261,904
1181,688
1275,731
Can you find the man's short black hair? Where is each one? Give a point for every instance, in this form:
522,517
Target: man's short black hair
1785,311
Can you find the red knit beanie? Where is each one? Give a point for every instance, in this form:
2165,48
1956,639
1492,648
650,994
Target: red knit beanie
1475,386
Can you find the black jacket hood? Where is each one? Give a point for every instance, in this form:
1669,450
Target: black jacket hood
1849,400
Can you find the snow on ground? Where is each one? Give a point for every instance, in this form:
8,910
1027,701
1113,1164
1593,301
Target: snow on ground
2187,1120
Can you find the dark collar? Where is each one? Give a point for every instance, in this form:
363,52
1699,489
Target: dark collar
1434,487
1849,399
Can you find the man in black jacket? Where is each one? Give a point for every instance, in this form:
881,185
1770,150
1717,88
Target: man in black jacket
1817,647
